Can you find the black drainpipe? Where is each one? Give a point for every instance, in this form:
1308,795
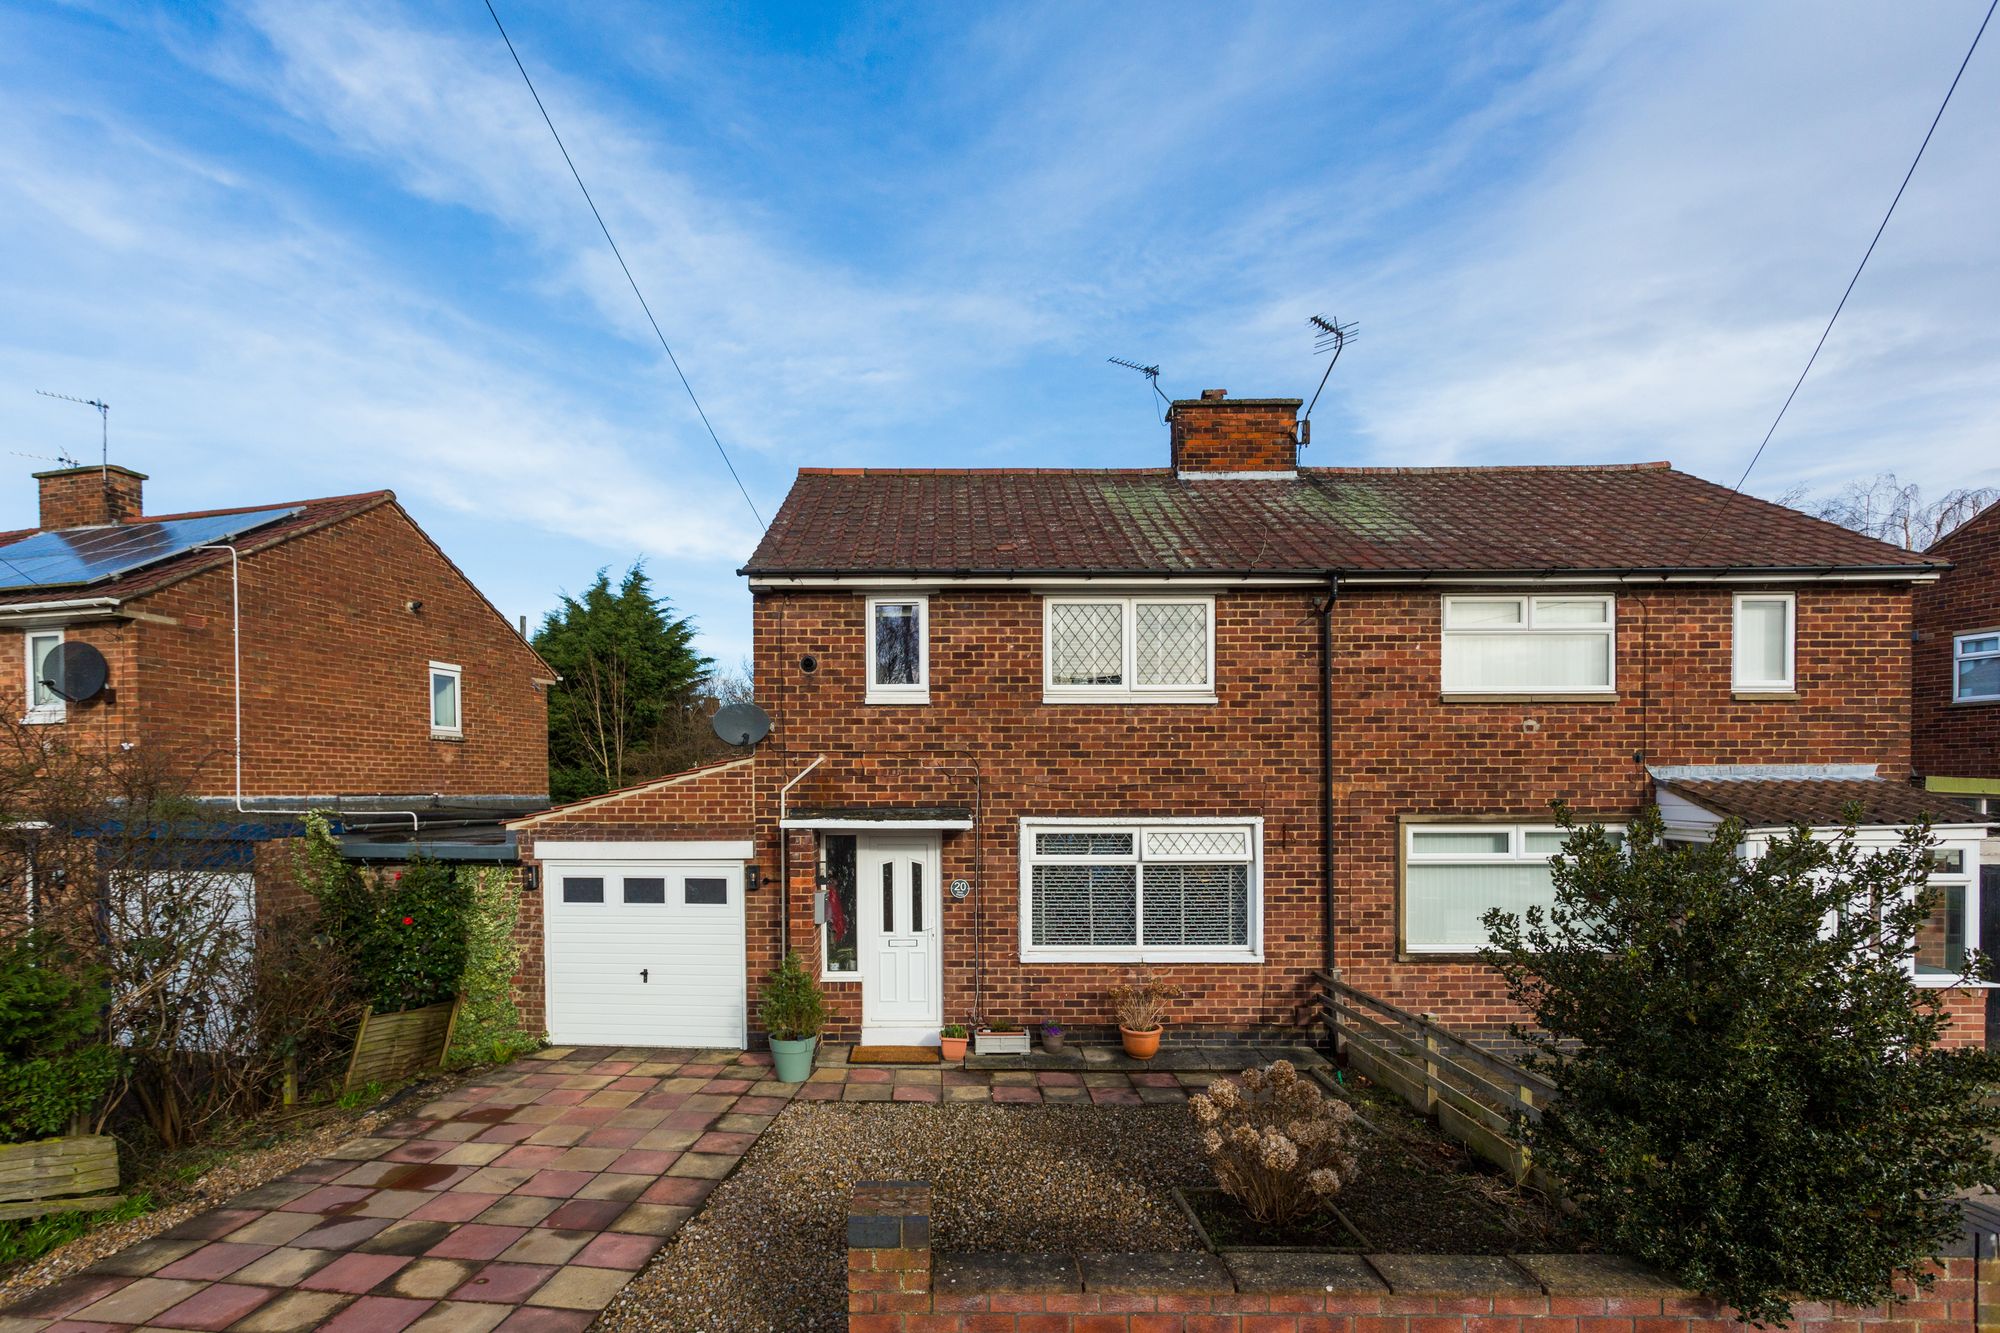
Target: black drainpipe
1326,764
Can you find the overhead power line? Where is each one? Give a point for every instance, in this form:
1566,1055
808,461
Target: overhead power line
674,360
1871,244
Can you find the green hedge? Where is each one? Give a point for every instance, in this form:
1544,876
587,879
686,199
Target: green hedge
54,1065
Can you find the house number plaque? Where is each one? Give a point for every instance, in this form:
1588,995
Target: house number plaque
961,887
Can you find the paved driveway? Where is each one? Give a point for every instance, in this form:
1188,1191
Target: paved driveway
523,1202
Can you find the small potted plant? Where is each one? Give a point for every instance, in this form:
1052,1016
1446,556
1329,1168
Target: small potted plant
793,1011
1052,1038
951,1041
1000,1038
1141,1002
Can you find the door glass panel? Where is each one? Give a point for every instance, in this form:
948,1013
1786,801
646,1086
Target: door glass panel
888,897
916,895
645,891
841,904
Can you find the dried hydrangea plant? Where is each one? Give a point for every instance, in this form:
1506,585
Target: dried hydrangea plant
1276,1143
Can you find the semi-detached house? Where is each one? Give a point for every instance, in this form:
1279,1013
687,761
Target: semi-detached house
1235,719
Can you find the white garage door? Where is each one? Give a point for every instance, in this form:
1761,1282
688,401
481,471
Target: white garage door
644,943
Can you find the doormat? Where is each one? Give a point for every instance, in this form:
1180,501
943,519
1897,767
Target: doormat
893,1055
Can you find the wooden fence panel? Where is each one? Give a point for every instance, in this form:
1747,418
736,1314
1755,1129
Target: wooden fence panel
392,1047
35,1177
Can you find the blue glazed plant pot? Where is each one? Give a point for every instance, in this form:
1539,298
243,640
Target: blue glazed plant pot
794,1059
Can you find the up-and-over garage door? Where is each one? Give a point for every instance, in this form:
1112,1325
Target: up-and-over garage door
644,943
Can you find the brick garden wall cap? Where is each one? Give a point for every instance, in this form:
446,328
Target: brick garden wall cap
1596,1275
1302,1273
889,1215
1176,1272
987,1274
1453,1275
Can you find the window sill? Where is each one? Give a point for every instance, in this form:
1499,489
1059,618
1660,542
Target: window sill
1975,703
44,719
1953,983
1573,697
1123,697
1153,957
438,735
922,698
840,978
1748,696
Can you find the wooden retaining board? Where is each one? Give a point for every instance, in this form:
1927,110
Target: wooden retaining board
34,1175
393,1047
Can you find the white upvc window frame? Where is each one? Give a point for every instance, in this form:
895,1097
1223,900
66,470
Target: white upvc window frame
457,674
1517,853
919,692
1527,602
56,710
1130,691
1789,683
1138,827
1958,655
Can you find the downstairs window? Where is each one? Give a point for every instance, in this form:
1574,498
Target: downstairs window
1141,891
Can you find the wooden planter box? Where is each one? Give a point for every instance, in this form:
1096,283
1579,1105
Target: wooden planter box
57,1175
985,1042
393,1047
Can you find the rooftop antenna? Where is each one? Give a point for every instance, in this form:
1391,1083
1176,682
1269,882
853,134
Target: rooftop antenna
1152,374
1329,335
104,421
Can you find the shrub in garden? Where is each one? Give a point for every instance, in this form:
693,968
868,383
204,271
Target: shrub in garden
790,1002
1751,1093
404,931
489,1025
54,1063
1277,1144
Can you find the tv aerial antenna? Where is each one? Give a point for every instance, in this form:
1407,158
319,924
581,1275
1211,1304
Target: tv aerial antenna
1152,374
1329,335
104,424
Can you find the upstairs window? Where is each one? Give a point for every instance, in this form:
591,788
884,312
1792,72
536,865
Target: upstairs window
899,650
1976,662
1528,645
44,704
446,720
1765,643
1129,649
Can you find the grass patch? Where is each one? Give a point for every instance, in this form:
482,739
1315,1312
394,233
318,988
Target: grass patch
28,1238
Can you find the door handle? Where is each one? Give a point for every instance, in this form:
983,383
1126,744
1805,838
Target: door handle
642,974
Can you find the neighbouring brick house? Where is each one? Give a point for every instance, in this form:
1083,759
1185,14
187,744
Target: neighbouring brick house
1235,719
1955,691
375,682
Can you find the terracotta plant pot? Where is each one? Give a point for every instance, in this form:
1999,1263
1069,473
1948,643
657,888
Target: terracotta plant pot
1140,1045
952,1048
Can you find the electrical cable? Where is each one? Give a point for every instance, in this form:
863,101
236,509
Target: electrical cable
619,255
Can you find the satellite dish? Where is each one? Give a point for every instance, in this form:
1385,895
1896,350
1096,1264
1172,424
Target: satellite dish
741,724
76,672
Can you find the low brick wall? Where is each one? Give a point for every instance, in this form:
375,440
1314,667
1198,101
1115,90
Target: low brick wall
893,1287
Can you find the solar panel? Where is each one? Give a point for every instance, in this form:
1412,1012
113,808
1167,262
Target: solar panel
71,557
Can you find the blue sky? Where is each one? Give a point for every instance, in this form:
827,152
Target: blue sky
312,248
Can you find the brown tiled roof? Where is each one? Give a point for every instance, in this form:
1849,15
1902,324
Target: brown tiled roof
312,514
1512,520
1820,802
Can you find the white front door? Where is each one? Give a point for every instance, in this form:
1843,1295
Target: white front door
898,903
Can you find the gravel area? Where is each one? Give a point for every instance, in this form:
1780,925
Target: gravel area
768,1252
312,1135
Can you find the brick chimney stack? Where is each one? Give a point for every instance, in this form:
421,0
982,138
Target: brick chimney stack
91,497
1218,435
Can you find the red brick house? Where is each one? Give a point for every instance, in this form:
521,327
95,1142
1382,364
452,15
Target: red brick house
318,653
1234,719
1955,687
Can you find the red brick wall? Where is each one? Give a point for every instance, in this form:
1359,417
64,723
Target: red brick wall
336,682
107,720
84,497
1957,740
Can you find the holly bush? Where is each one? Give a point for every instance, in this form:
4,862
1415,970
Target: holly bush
1752,1094
404,931
54,1062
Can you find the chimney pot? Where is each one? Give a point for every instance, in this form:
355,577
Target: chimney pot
91,497
1212,395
